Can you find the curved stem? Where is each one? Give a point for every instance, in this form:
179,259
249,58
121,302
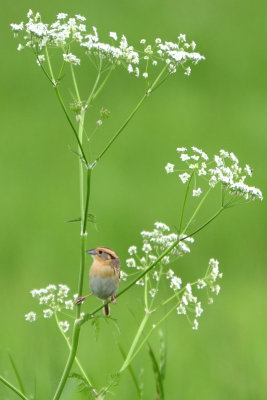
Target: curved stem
49,65
95,84
121,128
77,326
131,115
71,124
142,274
102,84
71,358
75,83
135,341
76,359
15,390
184,203
81,177
196,210
145,339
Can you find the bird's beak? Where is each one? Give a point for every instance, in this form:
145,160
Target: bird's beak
92,252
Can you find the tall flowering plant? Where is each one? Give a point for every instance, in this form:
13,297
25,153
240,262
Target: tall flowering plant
60,48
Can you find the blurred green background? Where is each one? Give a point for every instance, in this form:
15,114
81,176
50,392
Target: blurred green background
222,105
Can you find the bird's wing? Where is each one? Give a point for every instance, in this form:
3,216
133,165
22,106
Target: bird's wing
115,263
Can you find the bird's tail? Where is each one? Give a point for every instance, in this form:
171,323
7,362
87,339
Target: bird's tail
106,310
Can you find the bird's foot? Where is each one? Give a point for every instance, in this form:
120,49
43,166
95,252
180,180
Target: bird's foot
113,299
81,299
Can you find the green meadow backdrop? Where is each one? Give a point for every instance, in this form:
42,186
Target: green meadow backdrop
222,105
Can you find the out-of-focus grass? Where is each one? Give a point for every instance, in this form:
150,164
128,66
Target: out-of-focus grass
222,105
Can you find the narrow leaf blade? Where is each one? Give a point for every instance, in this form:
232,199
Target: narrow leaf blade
17,374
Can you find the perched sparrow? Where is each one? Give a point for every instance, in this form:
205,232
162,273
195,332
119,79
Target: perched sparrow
104,275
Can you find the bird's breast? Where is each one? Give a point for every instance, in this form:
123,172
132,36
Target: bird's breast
104,281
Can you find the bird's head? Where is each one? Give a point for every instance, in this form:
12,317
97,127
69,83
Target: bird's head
102,254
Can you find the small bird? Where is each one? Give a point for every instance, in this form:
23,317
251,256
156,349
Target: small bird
104,275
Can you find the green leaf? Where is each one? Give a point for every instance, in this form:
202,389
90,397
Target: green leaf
113,382
90,218
135,381
96,326
108,319
17,374
82,385
157,375
162,355
75,152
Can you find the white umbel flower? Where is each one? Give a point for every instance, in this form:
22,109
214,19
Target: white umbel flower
64,326
169,168
197,192
48,313
71,58
31,316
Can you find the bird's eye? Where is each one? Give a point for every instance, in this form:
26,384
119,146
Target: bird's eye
100,251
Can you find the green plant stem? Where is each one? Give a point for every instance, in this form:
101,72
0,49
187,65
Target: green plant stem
77,326
76,359
49,65
134,343
17,374
83,237
102,84
71,124
196,210
15,390
71,358
62,103
121,128
184,203
75,83
81,177
132,357
61,71
131,372
130,116
145,293
95,84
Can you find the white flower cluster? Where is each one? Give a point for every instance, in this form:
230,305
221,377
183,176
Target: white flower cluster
154,243
224,168
188,303
176,54
68,30
53,298
210,280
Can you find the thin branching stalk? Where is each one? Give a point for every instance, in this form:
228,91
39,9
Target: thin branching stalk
50,66
89,100
17,374
77,326
71,124
76,359
146,338
184,203
15,390
160,257
121,128
147,93
102,84
196,210
75,83
131,372
134,343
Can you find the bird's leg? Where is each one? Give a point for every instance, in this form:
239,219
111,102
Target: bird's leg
113,299
81,299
